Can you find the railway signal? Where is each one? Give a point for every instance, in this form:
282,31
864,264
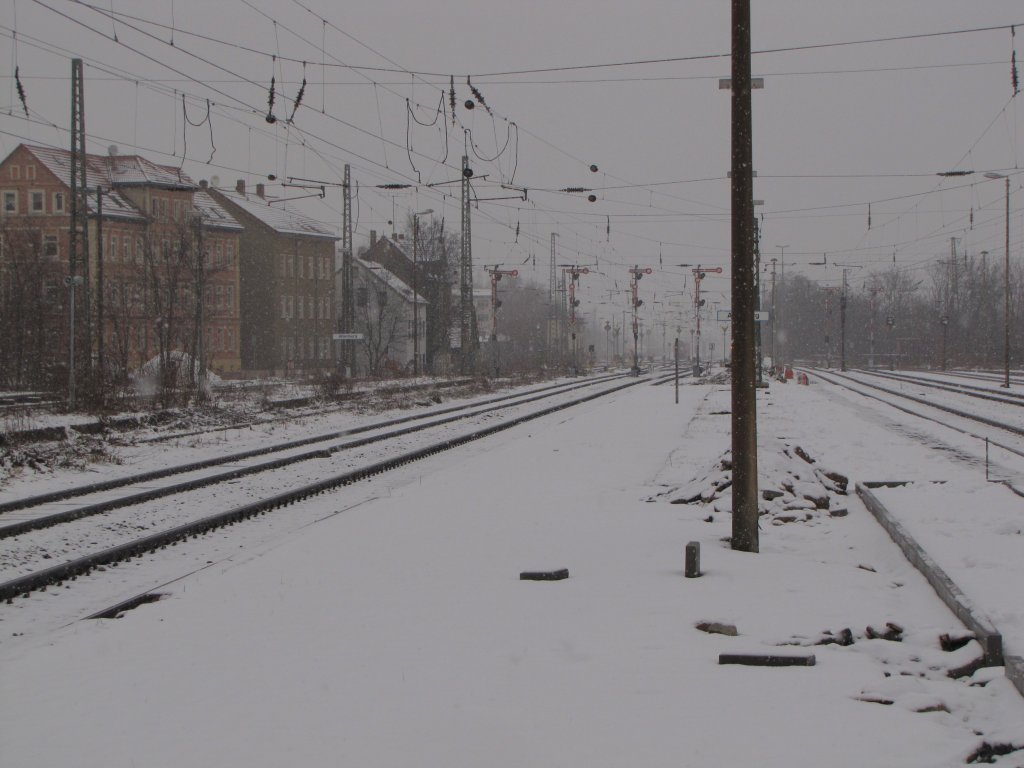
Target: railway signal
636,273
573,273
699,273
496,275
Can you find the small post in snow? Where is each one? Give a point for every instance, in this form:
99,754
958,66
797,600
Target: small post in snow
692,569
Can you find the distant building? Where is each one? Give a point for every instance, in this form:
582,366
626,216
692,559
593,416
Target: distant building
287,284
159,244
383,314
433,285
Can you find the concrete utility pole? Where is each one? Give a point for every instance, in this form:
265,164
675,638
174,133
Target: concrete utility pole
744,382
347,351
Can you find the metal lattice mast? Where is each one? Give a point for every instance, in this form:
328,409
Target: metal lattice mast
467,313
347,309
552,286
78,252
552,329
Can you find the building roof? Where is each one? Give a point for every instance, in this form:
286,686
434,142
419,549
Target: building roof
279,219
383,275
58,162
213,213
138,171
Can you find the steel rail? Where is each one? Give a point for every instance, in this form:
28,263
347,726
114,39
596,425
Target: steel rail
970,390
72,569
106,485
65,516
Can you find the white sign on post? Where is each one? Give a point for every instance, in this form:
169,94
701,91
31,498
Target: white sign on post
725,316
347,337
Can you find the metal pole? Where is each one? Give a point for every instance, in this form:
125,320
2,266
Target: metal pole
744,389
842,325
415,299
99,292
676,352
1006,295
71,347
782,300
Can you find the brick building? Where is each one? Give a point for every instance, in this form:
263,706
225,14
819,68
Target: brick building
287,284
155,244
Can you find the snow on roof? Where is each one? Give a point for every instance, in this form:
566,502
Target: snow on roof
135,169
279,219
213,213
58,162
384,275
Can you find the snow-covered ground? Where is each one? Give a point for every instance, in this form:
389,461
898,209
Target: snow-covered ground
399,633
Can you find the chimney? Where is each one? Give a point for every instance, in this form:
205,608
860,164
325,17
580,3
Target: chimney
240,186
203,183
260,190
373,237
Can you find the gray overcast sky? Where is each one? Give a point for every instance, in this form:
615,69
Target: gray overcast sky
835,129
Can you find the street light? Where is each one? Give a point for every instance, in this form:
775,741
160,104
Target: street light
779,332
415,293
1006,285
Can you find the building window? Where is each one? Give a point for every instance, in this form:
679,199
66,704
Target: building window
177,210
30,172
51,248
219,292
140,249
309,267
284,308
361,296
229,298
127,255
218,256
58,202
10,201
15,173
37,201
114,243
230,250
302,306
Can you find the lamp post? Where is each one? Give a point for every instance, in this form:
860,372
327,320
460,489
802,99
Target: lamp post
782,301
1006,285
415,291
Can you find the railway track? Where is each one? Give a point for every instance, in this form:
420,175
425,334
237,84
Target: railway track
987,432
87,545
971,390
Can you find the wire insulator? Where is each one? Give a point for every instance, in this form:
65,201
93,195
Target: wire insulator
298,100
451,96
21,90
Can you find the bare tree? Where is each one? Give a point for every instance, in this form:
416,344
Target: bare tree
31,307
380,318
